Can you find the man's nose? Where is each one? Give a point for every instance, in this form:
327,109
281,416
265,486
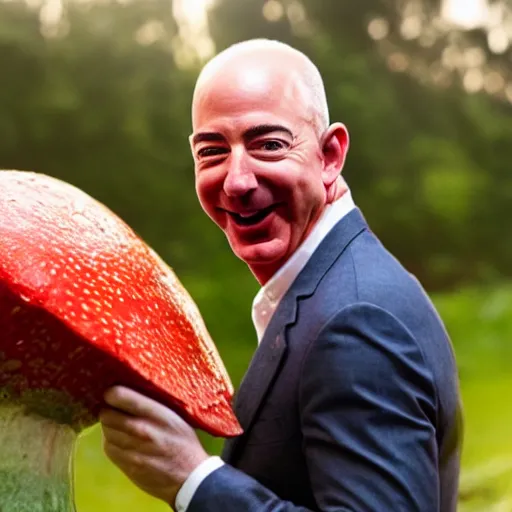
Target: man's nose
240,179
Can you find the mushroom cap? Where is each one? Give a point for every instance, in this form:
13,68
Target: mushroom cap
86,304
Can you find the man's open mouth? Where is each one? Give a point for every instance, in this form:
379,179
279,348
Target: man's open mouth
251,218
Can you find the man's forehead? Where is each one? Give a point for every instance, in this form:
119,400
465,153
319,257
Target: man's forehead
247,88
234,117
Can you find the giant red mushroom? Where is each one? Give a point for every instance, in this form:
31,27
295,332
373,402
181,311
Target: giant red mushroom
86,304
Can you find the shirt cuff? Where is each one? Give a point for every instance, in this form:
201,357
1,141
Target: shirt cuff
194,480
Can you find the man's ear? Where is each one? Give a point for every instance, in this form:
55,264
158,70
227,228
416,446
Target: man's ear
334,143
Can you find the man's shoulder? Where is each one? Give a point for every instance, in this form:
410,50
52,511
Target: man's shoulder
368,273
380,277
377,279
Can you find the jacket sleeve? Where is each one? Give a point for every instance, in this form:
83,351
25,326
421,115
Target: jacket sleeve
368,415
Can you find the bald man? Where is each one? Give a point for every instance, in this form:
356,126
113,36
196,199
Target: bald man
351,400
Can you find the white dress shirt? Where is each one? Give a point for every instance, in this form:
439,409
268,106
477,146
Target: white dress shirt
264,305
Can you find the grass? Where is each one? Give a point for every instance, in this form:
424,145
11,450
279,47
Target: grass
480,324
486,480
101,487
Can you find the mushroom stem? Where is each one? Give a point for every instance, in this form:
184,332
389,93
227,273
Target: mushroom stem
36,455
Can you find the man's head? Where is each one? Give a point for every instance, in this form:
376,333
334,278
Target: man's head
267,162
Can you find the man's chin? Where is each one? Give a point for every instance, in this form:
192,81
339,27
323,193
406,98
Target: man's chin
270,252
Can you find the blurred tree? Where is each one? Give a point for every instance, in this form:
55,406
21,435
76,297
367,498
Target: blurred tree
99,97
423,150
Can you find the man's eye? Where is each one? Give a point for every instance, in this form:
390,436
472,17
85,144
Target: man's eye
206,152
272,145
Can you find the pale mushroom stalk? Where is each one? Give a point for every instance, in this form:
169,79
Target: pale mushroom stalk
36,461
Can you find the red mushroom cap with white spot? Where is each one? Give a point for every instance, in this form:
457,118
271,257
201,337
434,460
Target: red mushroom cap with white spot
85,304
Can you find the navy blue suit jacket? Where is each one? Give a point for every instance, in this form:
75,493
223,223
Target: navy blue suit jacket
351,401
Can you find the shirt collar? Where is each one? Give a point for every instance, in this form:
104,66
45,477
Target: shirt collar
268,297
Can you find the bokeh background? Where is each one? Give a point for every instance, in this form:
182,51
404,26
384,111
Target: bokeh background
98,93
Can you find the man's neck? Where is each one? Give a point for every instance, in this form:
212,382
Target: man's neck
264,273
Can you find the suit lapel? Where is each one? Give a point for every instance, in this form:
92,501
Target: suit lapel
270,354
263,369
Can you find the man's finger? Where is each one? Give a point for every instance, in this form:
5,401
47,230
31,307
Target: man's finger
131,402
113,418
120,439
124,458
139,428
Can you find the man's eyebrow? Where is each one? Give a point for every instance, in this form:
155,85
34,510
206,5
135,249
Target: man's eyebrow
207,137
264,129
251,133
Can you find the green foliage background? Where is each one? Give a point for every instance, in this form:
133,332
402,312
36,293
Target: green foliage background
96,104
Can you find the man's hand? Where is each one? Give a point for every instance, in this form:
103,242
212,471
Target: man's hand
151,444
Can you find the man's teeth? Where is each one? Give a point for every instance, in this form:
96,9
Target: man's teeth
253,217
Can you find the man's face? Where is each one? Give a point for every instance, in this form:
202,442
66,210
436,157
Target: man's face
258,165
